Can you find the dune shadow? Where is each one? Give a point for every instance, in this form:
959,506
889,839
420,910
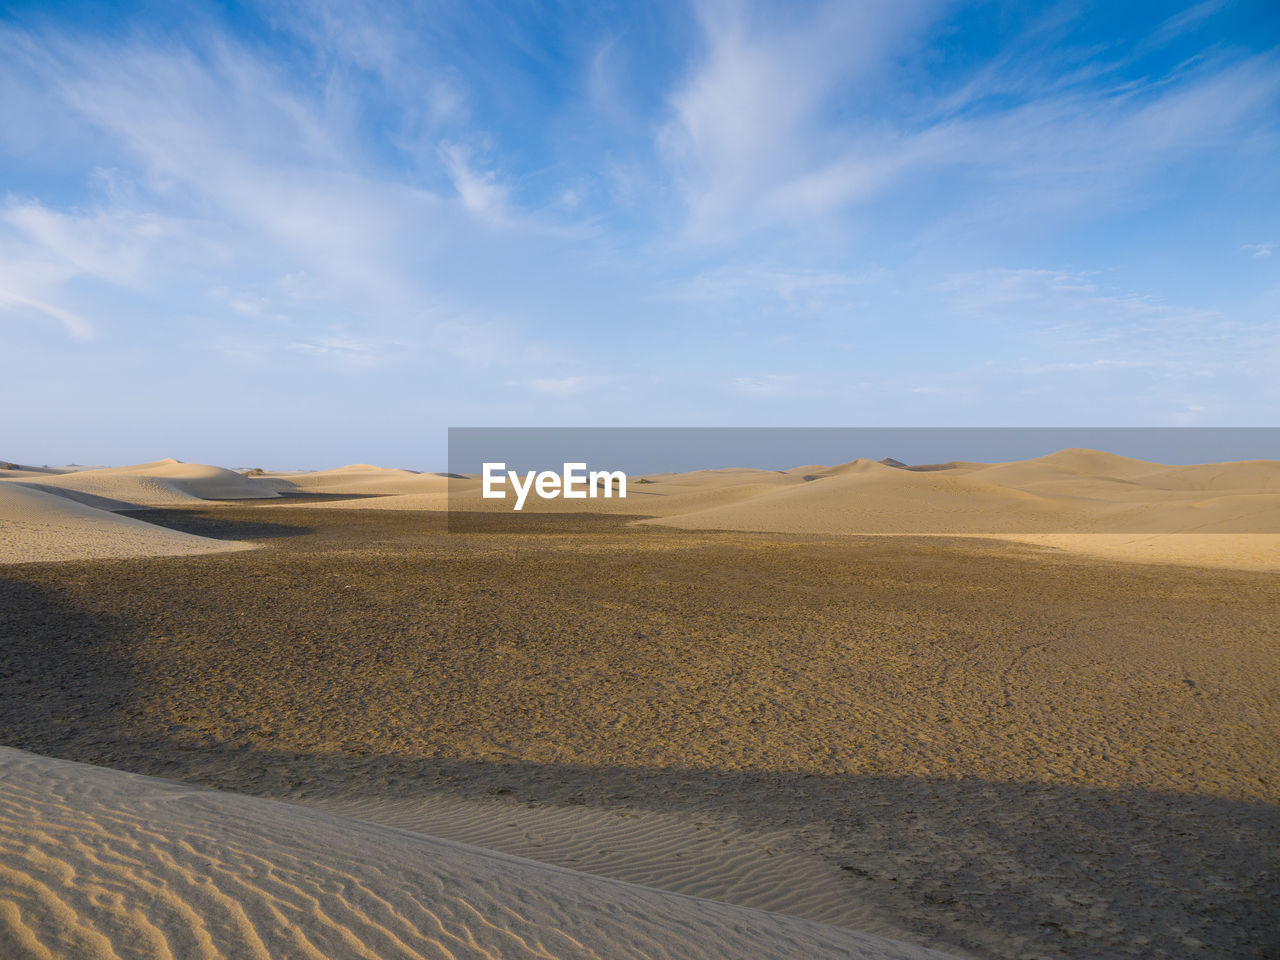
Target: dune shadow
210,523
302,497
65,680
998,869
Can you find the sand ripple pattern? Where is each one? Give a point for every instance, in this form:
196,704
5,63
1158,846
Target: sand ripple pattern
697,856
96,863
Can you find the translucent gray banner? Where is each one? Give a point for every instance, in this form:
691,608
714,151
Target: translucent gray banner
954,481
682,449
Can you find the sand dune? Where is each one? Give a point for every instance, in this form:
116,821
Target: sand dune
659,494
36,525
166,870
1245,475
868,497
1233,551
1084,501
890,501
17,471
162,483
358,479
1092,463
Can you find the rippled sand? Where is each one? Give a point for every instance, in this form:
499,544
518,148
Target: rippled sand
101,865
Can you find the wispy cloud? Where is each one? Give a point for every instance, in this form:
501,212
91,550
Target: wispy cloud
261,182
747,130
566,386
478,189
1187,19
775,126
765,385
31,289
347,350
728,283
1088,326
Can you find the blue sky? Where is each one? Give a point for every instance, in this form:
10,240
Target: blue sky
309,234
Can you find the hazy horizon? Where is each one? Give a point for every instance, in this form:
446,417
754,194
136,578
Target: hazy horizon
641,450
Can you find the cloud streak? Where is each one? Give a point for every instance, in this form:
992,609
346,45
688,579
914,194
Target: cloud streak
778,125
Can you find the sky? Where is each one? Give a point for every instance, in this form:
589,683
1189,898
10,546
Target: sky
307,234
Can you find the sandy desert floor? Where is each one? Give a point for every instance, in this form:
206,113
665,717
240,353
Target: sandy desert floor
989,748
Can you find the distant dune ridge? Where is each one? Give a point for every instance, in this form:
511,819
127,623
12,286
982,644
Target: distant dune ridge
1083,501
161,483
102,864
72,515
360,479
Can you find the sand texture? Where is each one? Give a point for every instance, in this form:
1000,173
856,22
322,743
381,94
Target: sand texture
37,526
705,856
96,863
924,703
1002,750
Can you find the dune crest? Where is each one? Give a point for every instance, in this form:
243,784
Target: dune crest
1082,501
165,482
36,526
358,479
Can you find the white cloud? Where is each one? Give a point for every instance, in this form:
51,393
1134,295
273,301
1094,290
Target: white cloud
223,136
563,386
43,251
767,385
30,288
247,303
779,123
1259,249
345,349
479,190
1065,300
480,344
257,179
1186,19
785,284
300,285
747,126
116,245
1086,326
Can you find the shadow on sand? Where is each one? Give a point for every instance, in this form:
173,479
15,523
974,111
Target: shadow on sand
1002,869
205,522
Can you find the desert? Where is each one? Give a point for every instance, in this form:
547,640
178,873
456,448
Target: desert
737,712
683,480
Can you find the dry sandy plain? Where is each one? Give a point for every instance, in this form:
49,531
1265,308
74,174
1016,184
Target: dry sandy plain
997,710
